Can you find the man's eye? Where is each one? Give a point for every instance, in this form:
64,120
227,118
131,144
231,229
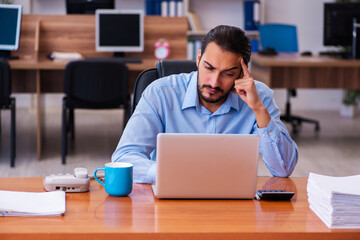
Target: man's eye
209,68
229,74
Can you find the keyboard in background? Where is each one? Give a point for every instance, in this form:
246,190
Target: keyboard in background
337,54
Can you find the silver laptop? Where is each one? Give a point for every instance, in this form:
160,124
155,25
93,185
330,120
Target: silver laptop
206,166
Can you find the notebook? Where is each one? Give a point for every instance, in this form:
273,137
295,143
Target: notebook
207,166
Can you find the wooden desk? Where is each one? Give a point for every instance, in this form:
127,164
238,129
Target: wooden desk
41,34
287,70
96,215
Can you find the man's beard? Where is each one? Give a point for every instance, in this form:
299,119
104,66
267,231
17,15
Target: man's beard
209,99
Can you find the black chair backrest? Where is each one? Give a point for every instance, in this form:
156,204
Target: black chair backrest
164,68
97,81
5,82
142,81
168,67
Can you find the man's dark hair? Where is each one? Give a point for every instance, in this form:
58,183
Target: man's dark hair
229,38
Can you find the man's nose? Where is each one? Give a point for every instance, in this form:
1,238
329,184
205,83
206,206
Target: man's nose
215,80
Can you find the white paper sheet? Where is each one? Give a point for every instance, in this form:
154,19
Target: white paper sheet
14,203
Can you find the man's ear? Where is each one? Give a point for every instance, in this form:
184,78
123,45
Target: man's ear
198,58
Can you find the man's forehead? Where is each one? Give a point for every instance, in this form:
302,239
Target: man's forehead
217,57
218,64
226,67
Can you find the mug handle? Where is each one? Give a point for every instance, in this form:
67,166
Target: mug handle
96,176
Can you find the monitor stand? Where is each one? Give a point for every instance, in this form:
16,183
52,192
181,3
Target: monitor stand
121,56
7,55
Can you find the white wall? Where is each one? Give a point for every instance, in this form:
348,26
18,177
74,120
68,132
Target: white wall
25,5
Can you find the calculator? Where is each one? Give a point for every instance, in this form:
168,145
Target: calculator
274,195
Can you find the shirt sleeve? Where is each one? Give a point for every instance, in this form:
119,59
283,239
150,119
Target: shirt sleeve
278,150
138,140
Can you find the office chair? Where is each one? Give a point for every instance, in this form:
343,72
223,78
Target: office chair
283,38
93,84
7,102
164,68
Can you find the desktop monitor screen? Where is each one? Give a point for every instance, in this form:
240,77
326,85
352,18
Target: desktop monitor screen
338,23
10,22
119,31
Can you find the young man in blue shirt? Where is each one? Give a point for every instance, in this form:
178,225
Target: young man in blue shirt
221,97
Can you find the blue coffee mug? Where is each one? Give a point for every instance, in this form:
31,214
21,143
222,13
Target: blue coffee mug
118,178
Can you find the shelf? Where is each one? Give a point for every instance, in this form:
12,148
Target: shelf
197,33
232,13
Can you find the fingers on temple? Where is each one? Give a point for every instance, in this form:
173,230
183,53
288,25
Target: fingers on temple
245,69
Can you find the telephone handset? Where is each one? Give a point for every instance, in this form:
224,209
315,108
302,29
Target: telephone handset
79,182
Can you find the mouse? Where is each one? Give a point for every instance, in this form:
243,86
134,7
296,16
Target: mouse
306,53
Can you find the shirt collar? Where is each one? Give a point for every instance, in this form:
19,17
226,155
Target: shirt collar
191,98
232,101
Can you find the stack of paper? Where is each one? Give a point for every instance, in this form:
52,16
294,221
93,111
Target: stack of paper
32,204
336,200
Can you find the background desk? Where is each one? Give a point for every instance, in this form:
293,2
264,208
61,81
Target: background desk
41,34
45,76
96,215
292,71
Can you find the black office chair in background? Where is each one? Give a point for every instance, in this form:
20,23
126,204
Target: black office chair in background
7,102
164,68
93,84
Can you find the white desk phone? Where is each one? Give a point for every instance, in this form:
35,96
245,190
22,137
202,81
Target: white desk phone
79,182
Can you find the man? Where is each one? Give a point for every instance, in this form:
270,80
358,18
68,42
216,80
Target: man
221,97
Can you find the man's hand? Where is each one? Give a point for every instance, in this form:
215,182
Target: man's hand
246,89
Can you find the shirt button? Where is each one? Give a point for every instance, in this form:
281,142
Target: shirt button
270,133
263,135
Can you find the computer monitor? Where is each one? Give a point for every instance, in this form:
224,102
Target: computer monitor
10,22
87,6
119,31
338,23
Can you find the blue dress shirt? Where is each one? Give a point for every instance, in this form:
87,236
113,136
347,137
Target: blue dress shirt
171,105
